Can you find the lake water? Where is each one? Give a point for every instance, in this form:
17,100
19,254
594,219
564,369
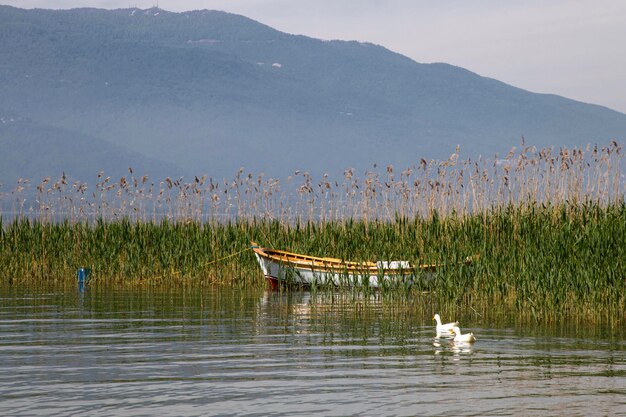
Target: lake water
256,353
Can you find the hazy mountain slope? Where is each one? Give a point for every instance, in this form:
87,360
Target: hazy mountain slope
209,92
35,152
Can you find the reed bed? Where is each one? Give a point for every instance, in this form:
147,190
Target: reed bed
523,178
541,262
549,227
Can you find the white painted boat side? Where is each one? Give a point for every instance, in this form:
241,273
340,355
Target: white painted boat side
312,274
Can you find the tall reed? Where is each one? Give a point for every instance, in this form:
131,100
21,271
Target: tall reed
549,227
526,178
541,261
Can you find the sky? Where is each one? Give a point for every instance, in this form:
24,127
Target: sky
573,48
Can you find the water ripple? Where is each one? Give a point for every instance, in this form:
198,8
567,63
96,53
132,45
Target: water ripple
261,361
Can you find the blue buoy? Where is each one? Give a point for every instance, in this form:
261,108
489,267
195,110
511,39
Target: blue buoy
83,275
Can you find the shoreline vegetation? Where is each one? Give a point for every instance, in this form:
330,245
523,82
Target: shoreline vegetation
549,228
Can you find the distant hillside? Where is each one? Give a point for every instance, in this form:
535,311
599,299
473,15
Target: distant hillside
208,92
34,151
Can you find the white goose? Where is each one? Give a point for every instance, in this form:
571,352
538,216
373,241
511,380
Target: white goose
458,337
444,328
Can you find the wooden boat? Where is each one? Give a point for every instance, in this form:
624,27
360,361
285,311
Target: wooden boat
291,268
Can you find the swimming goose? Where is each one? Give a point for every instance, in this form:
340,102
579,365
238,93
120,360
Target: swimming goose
444,328
458,337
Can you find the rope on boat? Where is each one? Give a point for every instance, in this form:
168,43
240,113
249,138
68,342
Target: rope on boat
230,256
212,262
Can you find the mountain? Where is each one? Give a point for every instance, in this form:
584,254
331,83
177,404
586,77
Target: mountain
33,151
207,92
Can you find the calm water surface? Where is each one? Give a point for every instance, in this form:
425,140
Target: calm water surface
231,352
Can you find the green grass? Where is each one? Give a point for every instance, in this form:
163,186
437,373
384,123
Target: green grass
541,261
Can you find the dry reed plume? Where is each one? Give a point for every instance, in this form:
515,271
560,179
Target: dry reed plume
525,178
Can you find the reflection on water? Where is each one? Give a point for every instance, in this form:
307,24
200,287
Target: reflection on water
456,348
232,352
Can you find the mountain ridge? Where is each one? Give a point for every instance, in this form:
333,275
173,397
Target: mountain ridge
207,92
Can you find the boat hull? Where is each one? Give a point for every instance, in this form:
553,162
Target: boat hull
285,267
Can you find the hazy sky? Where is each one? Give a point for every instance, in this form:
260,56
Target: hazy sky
574,48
